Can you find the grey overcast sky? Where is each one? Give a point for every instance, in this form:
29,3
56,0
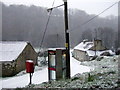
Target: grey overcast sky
90,6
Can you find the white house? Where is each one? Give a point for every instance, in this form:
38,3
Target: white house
86,49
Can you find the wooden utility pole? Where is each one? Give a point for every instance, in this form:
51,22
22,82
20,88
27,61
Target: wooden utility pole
67,45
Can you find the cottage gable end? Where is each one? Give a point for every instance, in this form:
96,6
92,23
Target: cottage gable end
11,50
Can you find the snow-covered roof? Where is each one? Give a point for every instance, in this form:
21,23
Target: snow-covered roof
98,53
10,50
84,46
55,48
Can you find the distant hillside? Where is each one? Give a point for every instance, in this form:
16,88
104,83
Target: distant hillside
21,22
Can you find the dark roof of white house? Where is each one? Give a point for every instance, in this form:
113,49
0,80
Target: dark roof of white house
10,50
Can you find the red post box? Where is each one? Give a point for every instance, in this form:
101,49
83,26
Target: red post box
29,66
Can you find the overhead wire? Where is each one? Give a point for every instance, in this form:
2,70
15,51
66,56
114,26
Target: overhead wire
94,17
46,27
72,28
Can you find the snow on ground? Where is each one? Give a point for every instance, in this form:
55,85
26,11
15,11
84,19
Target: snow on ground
39,76
104,75
77,68
23,80
104,64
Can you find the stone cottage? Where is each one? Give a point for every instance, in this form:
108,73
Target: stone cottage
87,49
13,55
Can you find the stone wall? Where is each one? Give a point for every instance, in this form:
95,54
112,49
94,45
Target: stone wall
8,69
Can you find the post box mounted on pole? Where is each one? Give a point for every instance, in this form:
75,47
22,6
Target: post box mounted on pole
30,69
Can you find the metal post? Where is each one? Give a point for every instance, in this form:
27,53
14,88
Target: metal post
49,77
30,79
67,40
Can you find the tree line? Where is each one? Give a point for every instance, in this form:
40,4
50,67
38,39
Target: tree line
27,23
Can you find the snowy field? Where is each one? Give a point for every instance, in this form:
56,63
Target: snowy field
40,75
